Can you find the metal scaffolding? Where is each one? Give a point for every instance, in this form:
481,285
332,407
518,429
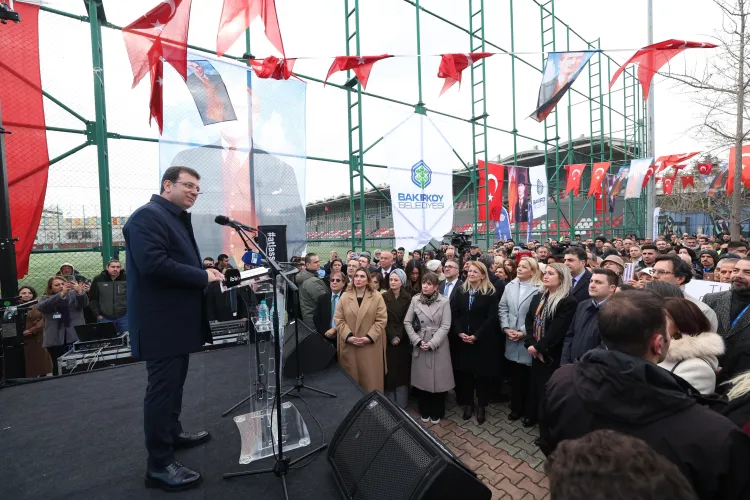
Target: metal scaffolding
603,115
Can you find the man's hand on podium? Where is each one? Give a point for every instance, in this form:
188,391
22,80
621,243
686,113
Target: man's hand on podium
214,275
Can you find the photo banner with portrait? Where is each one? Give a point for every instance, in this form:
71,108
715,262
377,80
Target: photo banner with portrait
560,72
245,136
519,194
420,172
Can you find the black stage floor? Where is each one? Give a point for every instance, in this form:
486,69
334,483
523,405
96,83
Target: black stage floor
81,436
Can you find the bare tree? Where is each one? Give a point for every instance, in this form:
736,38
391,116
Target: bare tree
720,89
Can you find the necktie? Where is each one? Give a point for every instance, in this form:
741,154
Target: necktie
237,192
447,291
471,298
334,303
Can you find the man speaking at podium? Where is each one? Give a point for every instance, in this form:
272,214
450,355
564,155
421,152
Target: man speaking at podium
166,284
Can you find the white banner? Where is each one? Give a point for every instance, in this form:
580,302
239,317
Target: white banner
655,231
538,178
698,288
420,171
638,169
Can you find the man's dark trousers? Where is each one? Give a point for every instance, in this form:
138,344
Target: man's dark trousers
162,406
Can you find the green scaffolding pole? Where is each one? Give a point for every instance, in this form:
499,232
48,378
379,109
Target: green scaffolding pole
99,127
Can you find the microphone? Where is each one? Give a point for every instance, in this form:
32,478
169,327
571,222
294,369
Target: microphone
252,258
223,220
235,277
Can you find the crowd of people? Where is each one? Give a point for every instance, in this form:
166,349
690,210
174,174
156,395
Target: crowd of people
565,334
69,300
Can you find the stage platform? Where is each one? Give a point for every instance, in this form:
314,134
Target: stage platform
81,435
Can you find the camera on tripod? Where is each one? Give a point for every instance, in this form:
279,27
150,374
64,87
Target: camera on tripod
7,13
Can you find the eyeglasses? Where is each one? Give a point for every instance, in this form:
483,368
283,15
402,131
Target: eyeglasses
662,272
190,186
336,280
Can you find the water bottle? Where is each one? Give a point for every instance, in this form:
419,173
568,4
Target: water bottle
264,322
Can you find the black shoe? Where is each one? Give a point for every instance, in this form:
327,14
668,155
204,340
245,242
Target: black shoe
468,410
527,422
512,417
190,439
538,442
174,477
480,415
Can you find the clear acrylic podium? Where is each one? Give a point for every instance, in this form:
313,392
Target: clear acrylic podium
259,428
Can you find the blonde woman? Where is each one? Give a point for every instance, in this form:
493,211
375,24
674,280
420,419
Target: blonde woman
360,319
475,340
514,306
548,318
62,305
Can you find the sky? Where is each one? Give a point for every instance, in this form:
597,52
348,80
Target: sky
315,32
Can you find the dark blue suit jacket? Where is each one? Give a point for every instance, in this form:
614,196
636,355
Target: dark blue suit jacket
166,282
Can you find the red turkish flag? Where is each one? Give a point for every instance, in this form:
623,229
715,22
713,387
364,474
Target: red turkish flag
664,162
599,203
649,173
598,171
687,180
236,16
160,34
705,168
652,57
745,169
573,181
451,66
361,65
493,196
667,185
273,67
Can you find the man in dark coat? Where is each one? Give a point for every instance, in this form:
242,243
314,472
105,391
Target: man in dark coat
325,306
583,333
621,388
167,316
575,259
108,296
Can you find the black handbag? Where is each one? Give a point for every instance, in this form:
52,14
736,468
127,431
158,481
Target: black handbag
415,323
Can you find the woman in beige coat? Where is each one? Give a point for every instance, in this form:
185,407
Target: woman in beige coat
431,368
360,321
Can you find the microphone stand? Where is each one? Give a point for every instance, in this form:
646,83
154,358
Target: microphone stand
283,463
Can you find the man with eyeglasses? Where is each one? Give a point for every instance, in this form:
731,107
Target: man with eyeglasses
675,271
451,271
165,287
326,306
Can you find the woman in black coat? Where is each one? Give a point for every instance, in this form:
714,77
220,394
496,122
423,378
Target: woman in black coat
475,340
398,348
550,314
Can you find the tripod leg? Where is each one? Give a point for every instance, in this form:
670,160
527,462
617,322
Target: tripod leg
312,452
318,391
237,405
283,485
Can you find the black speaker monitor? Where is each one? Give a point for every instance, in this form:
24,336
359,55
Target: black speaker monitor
315,351
380,452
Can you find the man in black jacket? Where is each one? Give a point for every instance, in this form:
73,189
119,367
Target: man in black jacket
166,286
575,259
326,304
108,296
583,334
621,388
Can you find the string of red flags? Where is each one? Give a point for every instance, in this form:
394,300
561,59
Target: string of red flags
361,65
274,68
573,180
157,36
236,16
652,57
452,66
687,181
664,162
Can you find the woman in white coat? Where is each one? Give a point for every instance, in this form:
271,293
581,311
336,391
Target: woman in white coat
431,368
693,349
513,308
